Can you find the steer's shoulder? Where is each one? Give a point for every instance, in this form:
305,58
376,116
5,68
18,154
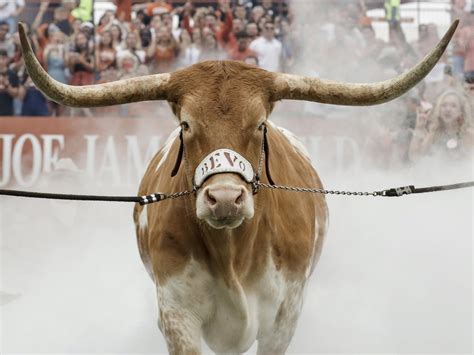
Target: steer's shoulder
297,219
165,230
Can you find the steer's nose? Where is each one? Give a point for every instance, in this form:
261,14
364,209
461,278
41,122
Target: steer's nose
225,202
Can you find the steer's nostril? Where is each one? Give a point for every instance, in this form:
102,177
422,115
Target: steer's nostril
240,198
211,200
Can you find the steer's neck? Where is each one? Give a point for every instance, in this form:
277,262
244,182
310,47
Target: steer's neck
236,253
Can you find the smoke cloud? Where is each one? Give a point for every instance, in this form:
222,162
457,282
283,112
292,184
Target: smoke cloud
395,274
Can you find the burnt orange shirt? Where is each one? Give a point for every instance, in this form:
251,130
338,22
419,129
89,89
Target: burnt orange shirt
124,10
158,7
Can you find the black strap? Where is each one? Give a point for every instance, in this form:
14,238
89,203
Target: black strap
266,149
407,190
31,194
180,155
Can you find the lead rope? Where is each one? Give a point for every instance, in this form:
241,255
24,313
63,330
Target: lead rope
152,198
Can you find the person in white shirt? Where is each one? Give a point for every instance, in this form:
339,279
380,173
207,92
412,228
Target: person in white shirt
9,12
268,48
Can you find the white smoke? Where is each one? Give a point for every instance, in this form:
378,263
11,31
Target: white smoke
395,274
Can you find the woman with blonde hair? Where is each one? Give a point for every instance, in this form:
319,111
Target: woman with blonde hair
446,131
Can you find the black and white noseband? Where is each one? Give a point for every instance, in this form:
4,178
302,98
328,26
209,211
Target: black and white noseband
223,161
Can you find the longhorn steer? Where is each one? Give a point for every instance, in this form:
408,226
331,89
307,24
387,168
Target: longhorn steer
229,266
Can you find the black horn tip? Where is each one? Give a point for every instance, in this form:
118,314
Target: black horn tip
454,26
22,32
21,27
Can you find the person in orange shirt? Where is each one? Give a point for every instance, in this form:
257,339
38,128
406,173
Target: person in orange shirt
242,51
158,8
124,10
163,50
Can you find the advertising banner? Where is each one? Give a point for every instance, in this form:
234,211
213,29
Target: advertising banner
117,150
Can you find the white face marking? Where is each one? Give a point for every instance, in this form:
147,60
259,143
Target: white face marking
167,147
143,219
294,140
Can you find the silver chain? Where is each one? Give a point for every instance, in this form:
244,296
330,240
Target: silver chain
262,156
178,194
258,184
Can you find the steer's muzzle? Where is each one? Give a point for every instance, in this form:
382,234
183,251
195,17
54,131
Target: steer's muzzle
224,202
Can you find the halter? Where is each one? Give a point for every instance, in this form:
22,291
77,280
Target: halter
225,160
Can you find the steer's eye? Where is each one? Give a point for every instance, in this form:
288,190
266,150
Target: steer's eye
184,125
261,126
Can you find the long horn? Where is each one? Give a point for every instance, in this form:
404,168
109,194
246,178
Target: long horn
295,87
150,87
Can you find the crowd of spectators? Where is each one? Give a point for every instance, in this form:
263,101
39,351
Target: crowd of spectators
142,38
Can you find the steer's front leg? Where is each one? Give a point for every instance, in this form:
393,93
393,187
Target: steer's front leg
181,329
185,303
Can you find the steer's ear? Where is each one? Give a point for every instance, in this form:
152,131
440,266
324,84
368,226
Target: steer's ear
180,155
266,149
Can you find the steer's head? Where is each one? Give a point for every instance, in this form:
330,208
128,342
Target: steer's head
222,107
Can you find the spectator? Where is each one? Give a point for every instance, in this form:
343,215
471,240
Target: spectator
60,23
56,56
240,13
81,62
117,36
210,47
16,63
467,39
421,129
163,51
427,39
9,12
268,49
392,12
189,52
133,45
156,8
105,21
230,37
56,59
63,20
270,8
128,65
469,90
34,102
458,10
124,10
8,85
83,11
6,42
252,30
76,27
288,45
256,14
106,55
242,51
449,130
